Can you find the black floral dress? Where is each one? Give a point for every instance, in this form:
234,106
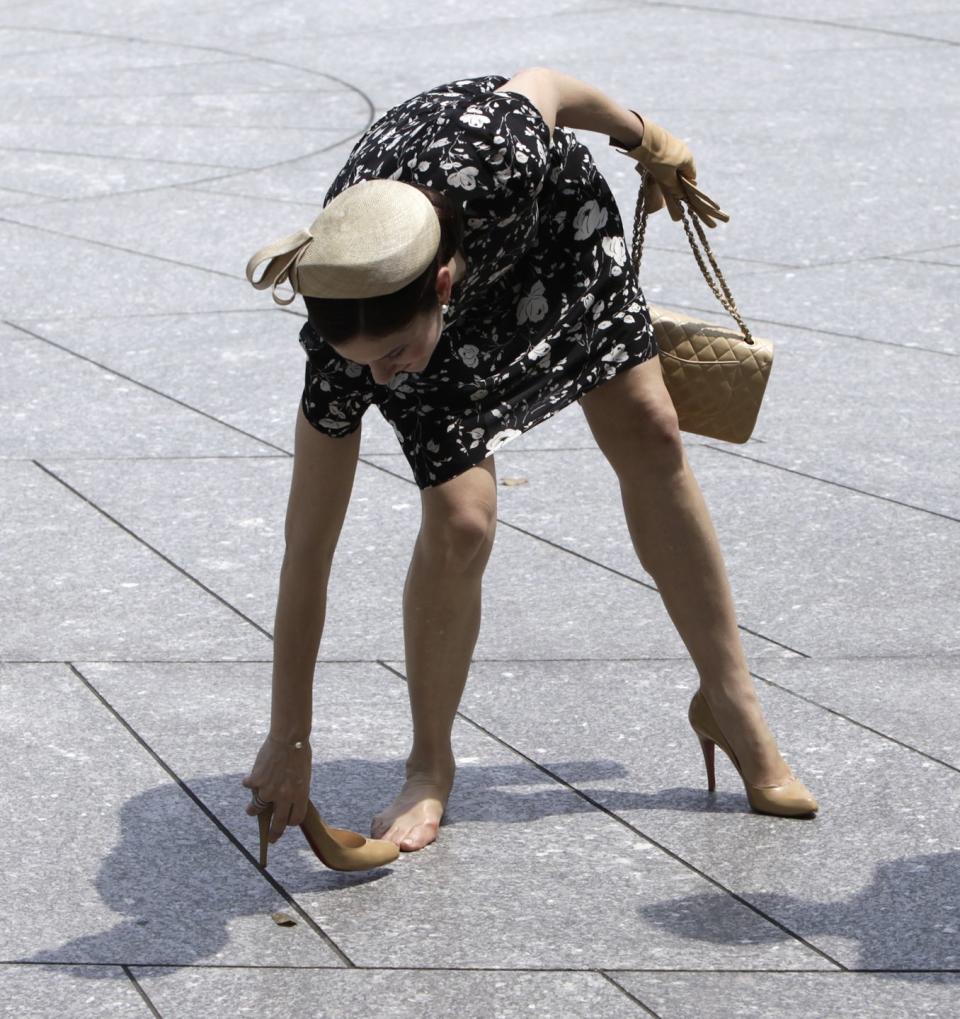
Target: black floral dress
548,307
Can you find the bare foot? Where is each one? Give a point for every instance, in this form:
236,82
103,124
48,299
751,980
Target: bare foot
741,721
414,816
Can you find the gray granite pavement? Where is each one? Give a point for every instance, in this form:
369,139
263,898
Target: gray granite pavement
147,401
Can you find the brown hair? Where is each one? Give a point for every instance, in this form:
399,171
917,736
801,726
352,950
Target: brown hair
339,320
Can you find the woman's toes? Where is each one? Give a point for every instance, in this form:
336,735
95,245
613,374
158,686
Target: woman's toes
419,836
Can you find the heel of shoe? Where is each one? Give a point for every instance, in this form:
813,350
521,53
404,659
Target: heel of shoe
789,798
263,820
343,849
708,747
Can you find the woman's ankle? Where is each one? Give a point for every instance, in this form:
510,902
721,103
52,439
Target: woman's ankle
436,762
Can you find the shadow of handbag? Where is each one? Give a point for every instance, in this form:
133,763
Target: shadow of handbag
715,375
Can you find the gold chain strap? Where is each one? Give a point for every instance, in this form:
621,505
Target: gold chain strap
639,232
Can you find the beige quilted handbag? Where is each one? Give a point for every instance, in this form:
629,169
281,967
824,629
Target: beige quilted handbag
716,376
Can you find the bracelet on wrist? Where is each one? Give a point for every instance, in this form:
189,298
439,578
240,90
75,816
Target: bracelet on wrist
297,745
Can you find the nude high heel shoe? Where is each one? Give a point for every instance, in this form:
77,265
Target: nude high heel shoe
789,798
336,848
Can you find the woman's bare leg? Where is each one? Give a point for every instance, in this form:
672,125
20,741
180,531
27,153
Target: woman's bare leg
441,623
634,422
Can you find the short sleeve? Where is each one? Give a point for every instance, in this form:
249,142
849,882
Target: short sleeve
336,392
498,148
491,152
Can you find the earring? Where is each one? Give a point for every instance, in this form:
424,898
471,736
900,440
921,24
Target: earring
443,307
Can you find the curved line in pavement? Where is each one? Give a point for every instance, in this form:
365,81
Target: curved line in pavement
349,86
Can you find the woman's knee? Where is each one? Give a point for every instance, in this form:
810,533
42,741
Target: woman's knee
459,518
460,539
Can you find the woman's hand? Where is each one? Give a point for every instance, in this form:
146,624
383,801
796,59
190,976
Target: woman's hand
673,175
281,776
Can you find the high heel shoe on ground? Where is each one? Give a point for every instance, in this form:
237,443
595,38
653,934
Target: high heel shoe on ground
790,798
336,848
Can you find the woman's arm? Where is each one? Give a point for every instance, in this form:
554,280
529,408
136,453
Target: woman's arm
568,102
323,474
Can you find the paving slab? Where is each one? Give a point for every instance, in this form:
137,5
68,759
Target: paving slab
77,585
864,437
119,68
57,405
896,559
245,369
871,880
891,301
321,110
949,255
117,863
523,873
52,990
115,280
184,226
826,13
793,995
238,148
403,994
914,700
942,24
67,175
222,521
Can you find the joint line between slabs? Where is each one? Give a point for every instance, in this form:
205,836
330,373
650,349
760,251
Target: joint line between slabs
112,156
383,967
629,994
310,922
876,30
239,57
633,828
819,330
117,247
587,559
854,721
146,386
170,562
828,481
143,994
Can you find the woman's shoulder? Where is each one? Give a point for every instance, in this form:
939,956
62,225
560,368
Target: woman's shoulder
404,133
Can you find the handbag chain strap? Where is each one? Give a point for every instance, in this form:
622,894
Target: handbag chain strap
640,229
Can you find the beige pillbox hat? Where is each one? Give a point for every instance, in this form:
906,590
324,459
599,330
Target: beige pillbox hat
373,238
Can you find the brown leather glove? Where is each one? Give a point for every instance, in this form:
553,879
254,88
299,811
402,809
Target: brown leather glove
673,174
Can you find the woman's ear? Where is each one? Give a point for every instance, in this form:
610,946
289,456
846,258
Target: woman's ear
444,284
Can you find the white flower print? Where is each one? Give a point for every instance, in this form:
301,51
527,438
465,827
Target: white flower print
615,248
474,117
468,354
501,437
616,355
590,217
543,347
533,306
465,178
